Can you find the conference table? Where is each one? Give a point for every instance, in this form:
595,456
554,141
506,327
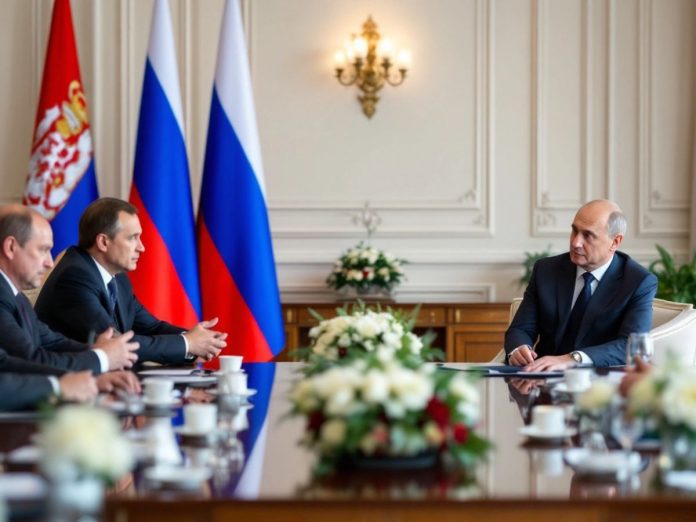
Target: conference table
271,476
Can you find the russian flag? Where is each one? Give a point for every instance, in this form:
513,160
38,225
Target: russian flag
238,278
61,180
166,281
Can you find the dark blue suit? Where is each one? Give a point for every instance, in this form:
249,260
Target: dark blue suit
36,342
75,302
621,304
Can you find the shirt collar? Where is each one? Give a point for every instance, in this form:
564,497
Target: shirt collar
104,273
12,286
598,273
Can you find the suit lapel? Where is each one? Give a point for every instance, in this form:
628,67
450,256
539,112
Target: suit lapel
603,296
98,282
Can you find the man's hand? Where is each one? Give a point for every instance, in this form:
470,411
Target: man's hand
522,355
119,351
550,363
633,376
120,380
78,386
204,342
525,386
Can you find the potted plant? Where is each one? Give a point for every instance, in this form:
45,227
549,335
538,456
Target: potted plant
674,283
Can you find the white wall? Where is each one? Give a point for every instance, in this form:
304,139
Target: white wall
514,113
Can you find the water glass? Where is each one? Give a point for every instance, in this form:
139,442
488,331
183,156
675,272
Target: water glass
640,345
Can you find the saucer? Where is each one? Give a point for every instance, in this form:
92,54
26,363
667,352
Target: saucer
249,392
188,432
563,388
161,404
177,477
533,433
601,463
220,372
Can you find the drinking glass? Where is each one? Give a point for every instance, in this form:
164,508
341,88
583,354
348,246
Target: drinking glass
626,429
641,345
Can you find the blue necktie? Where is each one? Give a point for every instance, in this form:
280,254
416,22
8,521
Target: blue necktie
112,296
568,342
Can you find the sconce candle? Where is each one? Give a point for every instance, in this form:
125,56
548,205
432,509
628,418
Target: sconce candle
367,63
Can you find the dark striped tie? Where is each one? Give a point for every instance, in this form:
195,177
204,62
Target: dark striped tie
569,338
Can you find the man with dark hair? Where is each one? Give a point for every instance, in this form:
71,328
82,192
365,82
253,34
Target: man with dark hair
26,240
580,307
89,291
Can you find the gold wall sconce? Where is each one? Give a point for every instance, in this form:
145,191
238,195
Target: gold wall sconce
367,62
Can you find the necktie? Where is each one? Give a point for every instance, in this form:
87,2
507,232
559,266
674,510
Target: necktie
576,314
23,305
112,296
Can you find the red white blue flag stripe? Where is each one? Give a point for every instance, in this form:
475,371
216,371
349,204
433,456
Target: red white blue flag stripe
61,181
166,281
238,277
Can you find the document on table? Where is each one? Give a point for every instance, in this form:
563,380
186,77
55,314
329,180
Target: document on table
501,370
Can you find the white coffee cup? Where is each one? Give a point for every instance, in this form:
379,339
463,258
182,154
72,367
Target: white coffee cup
234,383
578,379
158,391
230,363
200,418
548,420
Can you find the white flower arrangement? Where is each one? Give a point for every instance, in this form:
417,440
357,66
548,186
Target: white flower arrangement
84,441
384,335
364,267
667,396
389,410
597,398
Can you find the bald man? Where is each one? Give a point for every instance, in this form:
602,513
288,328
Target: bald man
26,240
580,307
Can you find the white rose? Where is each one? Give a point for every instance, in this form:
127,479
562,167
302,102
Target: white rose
392,340
415,343
375,387
385,353
597,397
679,400
367,327
384,272
333,433
642,397
344,341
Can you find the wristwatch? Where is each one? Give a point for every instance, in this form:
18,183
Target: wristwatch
577,357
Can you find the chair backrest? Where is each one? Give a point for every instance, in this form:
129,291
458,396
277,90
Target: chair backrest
516,302
676,336
664,311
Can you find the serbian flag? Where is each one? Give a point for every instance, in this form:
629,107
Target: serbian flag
166,281
238,278
61,180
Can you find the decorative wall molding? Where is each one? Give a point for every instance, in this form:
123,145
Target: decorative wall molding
470,211
316,293
548,211
658,215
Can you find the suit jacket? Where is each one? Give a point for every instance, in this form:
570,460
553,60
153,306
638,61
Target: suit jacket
620,305
22,391
75,302
36,342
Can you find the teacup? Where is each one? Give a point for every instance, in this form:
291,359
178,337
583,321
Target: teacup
577,379
230,363
158,391
233,383
548,420
200,419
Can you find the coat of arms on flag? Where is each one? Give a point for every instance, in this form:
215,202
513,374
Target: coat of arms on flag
61,153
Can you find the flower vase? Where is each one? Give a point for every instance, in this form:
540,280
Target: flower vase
77,499
359,461
365,293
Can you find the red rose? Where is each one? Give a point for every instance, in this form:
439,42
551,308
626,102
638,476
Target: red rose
438,411
460,433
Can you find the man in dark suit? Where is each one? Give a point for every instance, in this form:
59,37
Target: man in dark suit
89,291
26,240
580,307
24,384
